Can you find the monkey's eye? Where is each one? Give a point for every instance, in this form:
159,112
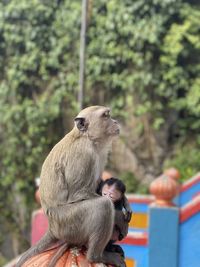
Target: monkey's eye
106,114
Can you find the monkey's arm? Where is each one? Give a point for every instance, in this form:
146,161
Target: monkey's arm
121,223
128,209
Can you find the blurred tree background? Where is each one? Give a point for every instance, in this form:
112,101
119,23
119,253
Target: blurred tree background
142,60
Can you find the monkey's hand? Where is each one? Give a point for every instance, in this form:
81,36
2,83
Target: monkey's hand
127,216
128,211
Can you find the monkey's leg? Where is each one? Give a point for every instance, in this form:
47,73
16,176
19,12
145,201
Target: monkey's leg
88,222
101,231
106,257
57,255
44,243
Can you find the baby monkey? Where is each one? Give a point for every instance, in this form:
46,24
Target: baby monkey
114,189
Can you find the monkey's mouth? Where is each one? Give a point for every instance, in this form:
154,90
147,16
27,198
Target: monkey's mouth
118,131
114,131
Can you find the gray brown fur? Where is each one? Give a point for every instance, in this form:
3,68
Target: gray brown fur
69,179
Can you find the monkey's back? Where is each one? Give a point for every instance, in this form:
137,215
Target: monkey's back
70,162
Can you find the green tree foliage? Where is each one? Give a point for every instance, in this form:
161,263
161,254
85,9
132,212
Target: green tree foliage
38,79
147,49
142,59
185,159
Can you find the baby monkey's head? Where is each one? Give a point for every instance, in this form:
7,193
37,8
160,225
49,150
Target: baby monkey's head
113,189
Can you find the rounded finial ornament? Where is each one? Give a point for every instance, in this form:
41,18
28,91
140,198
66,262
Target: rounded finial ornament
173,173
164,188
106,175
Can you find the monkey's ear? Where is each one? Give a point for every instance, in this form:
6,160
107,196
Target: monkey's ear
81,124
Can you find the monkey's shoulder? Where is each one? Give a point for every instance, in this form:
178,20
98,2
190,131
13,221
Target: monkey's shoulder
70,151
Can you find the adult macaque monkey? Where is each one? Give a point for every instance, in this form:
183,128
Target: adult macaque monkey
69,177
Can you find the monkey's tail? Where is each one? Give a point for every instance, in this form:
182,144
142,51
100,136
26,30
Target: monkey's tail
58,254
46,241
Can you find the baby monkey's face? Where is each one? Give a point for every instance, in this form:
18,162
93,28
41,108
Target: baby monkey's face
111,192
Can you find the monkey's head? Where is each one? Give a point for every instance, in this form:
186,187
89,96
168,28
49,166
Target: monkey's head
96,123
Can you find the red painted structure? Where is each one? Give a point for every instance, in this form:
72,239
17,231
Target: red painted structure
147,199
190,209
188,184
39,226
136,239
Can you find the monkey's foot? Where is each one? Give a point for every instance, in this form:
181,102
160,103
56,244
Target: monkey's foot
109,259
